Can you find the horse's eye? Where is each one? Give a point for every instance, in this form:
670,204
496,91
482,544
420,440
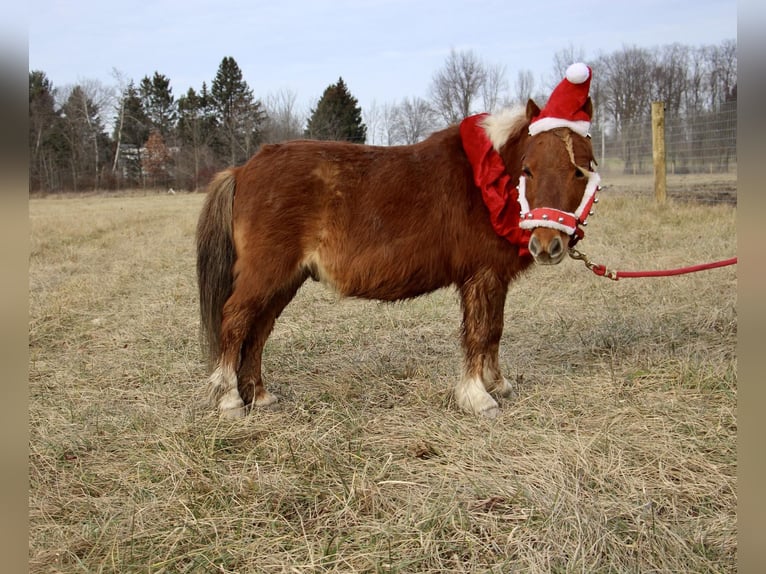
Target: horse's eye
526,171
579,173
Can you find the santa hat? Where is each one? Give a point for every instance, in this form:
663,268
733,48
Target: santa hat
565,107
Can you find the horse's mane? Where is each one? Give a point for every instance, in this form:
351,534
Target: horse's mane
505,125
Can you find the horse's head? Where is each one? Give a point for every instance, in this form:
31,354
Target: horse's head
556,189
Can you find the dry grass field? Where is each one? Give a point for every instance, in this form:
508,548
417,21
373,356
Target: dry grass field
616,454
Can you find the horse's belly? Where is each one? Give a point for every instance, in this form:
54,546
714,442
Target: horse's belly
370,276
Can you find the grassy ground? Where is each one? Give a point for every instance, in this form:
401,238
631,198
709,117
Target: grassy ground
707,188
617,454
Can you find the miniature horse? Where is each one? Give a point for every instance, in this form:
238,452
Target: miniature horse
384,223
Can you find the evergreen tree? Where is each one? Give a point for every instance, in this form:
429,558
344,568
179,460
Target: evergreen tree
132,127
87,143
337,116
47,147
159,104
196,130
239,115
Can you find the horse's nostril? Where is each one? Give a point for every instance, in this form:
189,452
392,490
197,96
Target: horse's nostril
556,247
534,246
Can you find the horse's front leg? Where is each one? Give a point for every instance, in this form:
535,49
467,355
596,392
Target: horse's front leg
483,301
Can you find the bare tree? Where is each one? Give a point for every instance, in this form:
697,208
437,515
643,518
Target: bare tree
525,84
723,76
562,60
102,98
494,91
371,115
122,84
414,120
455,87
669,78
284,120
629,88
388,124
626,90
697,73
669,85
711,76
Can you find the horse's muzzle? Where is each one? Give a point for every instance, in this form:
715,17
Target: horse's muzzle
547,246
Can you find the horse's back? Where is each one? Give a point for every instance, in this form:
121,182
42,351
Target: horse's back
374,222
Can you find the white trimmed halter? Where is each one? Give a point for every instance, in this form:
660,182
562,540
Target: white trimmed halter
565,221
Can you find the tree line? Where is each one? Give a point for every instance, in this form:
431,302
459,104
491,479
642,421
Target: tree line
156,139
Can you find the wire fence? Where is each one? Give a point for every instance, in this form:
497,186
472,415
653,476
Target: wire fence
701,155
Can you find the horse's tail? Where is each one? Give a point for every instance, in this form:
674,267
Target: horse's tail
215,260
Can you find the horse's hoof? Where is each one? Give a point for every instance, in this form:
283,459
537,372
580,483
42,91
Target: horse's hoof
231,405
472,398
487,407
504,389
265,399
490,412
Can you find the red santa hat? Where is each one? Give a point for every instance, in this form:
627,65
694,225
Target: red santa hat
565,107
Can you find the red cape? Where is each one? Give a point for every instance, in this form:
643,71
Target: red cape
500,196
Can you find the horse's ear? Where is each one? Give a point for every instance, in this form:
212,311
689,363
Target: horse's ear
588,107
532,109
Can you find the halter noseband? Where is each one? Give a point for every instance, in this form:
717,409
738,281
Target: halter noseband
569,223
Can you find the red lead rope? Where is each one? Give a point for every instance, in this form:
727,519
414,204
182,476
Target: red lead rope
603,271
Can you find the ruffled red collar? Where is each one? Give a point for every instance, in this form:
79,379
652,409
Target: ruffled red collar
500,196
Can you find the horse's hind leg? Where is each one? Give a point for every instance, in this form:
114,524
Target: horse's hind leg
238,314
250,379
483,300
248,317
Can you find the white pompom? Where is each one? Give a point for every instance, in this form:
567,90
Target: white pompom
577,73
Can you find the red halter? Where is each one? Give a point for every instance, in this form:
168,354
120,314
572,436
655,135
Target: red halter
569,223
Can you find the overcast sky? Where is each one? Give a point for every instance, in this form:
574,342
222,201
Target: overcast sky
384,49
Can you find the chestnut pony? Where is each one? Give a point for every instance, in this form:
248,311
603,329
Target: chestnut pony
384,223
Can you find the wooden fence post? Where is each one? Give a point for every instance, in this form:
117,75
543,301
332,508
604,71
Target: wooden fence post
658,151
